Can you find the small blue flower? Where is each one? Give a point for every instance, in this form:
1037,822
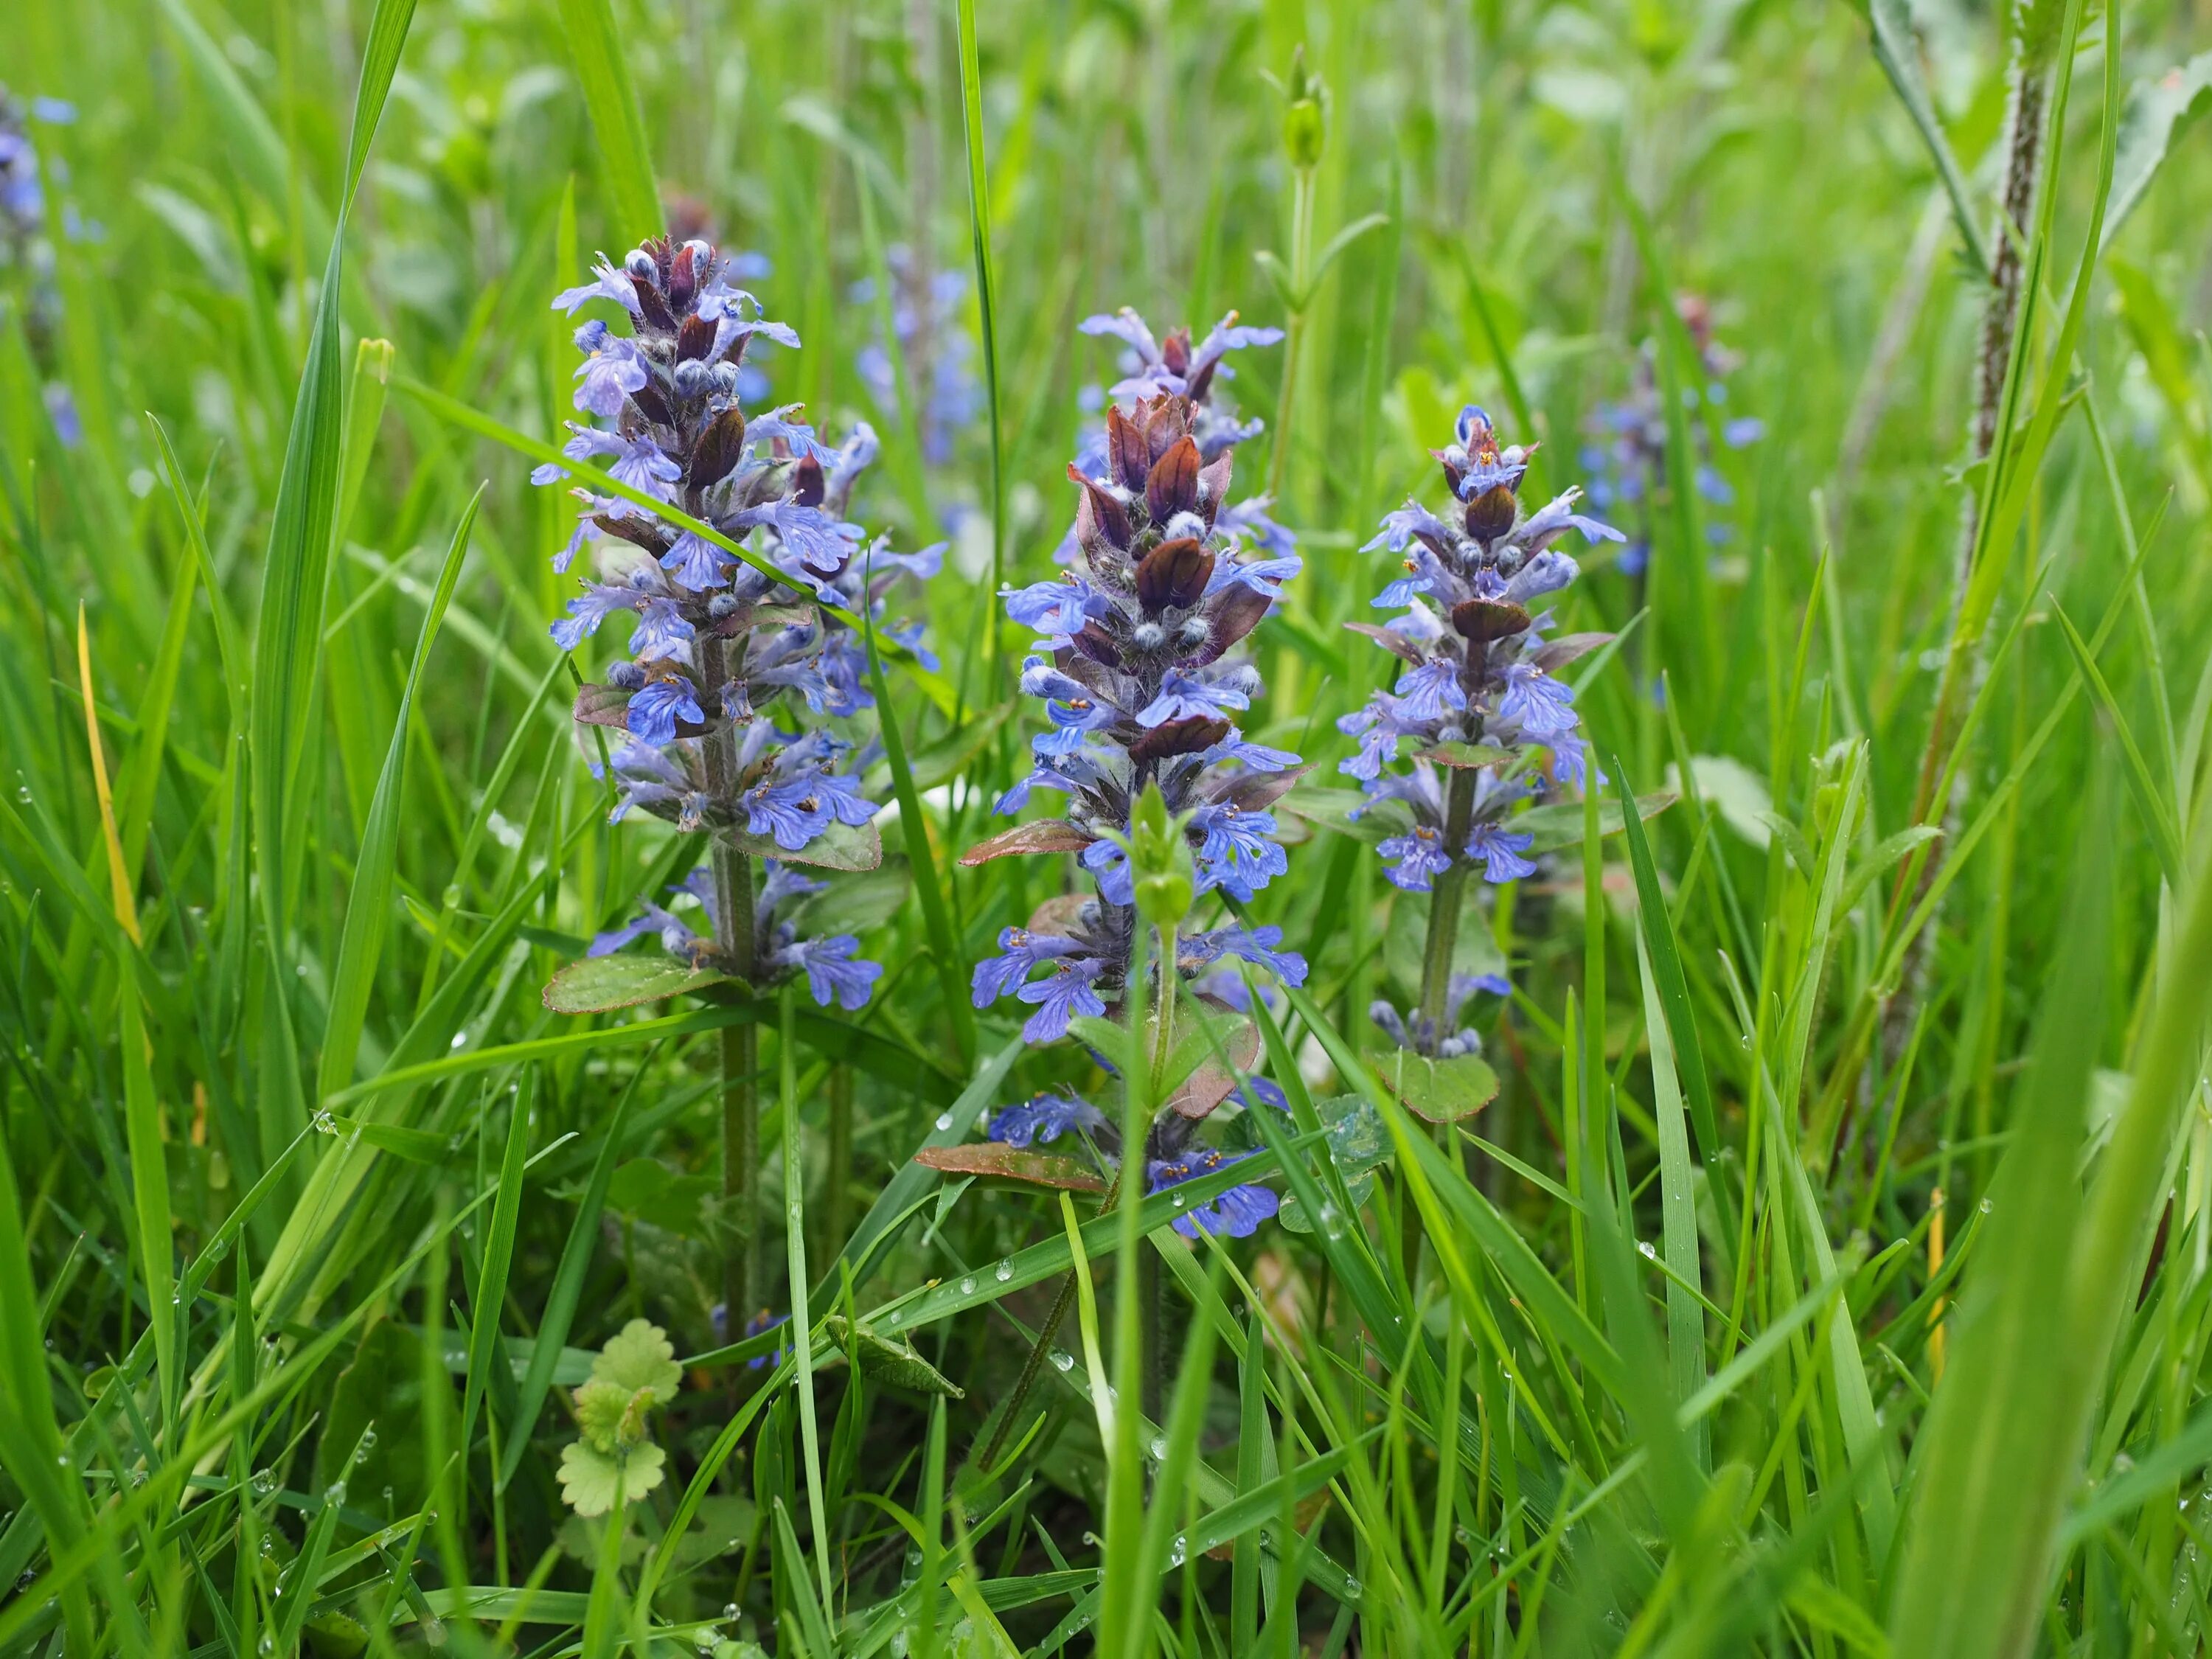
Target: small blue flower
791,809
1543,707
588,610
1060,996
1055,609
1044,1117
605,379
610,284
1237,855
696,563
654,710
1500,851
1109,862
1022,951
832,970
759,1323
1261,1091
1429,692
1236,1213
662,631
1257,946
1183,698
675,934
1418,856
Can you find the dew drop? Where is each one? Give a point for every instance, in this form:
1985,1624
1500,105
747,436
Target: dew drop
1006,1271
265,1482
267,1644
459,1039
968,1286
1062,1360
1158,1451
729,1613
334,1493
943,1121
1644,1248
325,1123
1352,1587
1985,1206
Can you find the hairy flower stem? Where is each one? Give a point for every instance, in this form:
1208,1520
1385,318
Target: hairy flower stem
2024,123
734,928
1165,982
1446,900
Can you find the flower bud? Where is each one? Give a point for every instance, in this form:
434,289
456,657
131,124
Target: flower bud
1159,861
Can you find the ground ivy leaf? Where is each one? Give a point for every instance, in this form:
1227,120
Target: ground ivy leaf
598,985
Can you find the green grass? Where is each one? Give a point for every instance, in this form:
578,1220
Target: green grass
313,1213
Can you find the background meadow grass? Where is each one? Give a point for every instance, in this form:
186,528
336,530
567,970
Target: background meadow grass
313,1213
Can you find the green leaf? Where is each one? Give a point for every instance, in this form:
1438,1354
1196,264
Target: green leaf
591,1479
1561,824
1334,809
640,1358
648,1190
2159,111
861,905
895,1362
841,846
1437,1090
598,985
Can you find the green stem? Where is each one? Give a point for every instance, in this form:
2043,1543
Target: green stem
835,1216
1446,900
735,929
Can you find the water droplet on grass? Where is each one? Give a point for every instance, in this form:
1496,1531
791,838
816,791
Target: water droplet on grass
1006,1272
968,1286
1062,1360
943,1121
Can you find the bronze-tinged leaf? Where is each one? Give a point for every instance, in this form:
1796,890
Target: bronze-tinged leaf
1483,620
1212,1082
1128,453
1255,792
1567,648
1213,484
1045,836
1175,350
1173,574
720,448
598,985
695,339
1190,736
1109,518
1391,640
1171,487
1237,612
1095,643
1016,1166
807,482
682,283
604,705
1490,514
648,398
640,533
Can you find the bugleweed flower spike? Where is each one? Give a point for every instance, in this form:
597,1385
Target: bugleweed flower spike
1135,666
1478,693
732,711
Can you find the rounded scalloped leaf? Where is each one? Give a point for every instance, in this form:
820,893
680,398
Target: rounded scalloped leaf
640,1356
598,985
591,1479
1437,1091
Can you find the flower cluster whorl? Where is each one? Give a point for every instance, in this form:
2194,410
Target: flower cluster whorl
1135,671
718,641
1479,688
1141,688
